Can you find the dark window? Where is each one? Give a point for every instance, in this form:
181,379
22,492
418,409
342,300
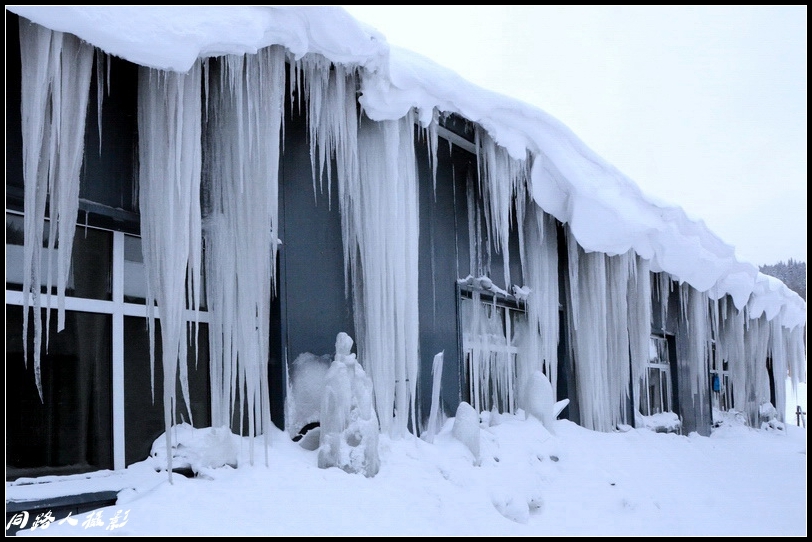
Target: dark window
91,271
143,416
492,329
70,429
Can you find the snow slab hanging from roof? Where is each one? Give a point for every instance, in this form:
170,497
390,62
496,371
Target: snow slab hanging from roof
569,180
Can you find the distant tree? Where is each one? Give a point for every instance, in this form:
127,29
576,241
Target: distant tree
792,273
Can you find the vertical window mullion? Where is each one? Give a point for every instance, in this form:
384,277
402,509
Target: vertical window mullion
118,352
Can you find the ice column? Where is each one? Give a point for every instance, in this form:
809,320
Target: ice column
599,333
693,366
778,355
385,210
757,386
377,187
619,269
730,348
503,185
56,73
588,334
540,272
330,95
241,188
639,322
169,134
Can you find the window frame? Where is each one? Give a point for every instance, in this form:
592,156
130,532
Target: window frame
721,399
117,308
662,369
510,309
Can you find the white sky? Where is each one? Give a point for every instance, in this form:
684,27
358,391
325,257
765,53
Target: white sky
739,481
703,107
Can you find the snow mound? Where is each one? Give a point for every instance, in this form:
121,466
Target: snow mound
466,428
197,449
662,422
540,401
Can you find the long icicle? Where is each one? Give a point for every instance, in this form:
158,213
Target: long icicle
169,130
55,88
241,217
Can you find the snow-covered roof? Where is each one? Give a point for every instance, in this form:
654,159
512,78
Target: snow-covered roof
606,211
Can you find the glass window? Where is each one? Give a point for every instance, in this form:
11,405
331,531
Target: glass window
135,277
655,386
90,275
69,430
491,332
143,416
720,383
101,355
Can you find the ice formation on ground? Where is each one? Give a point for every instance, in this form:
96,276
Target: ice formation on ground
349,426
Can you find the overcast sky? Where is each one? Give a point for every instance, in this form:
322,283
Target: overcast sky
703,107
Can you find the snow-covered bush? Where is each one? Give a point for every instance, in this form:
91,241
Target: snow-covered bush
197,449
466,428
539,400
308,375
661,422
768,415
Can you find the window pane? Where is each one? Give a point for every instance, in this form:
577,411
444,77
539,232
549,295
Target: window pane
135,279
655,390
143,418
662,350
491,333
70,429
644,398
653,353
91,264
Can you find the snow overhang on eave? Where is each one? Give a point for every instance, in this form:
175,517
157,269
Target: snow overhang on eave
174,37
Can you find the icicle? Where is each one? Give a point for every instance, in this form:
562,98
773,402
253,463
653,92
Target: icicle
573,255
385,213
618,370
756,388
503,185
475,263
694,364
431,145
241,233
35,46
664,286
101,58
730,349
540,271
488,341
588,335
684,298
379,220
169,130
330,93
796,354
777,353
435,421
639,321
55,88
